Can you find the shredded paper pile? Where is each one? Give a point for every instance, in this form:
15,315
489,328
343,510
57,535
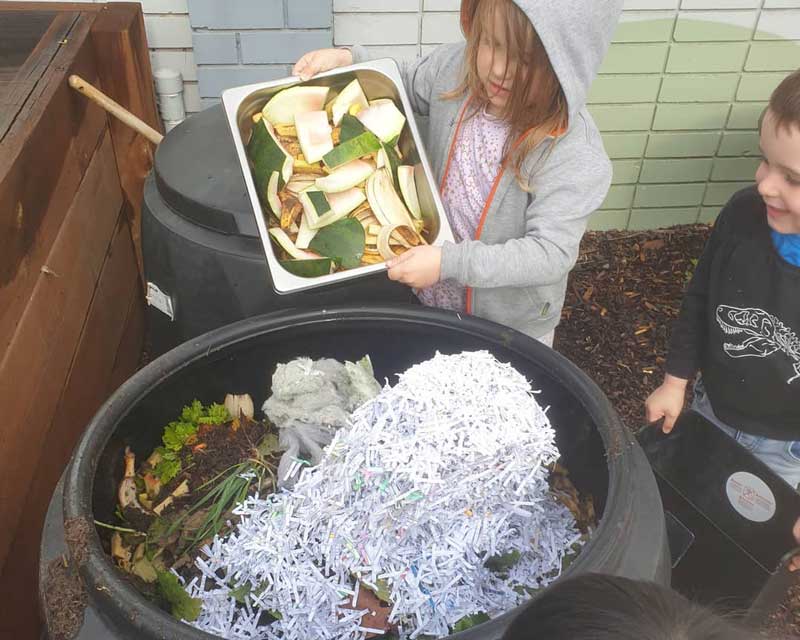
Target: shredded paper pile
431,478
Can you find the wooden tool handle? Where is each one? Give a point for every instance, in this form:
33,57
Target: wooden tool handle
115,109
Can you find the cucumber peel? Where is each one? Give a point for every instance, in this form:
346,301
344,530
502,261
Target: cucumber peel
342,241
358,147
311,268
268,156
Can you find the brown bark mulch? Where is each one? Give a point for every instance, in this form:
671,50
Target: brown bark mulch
622,298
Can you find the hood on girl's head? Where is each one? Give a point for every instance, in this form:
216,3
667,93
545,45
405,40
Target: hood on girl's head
576,35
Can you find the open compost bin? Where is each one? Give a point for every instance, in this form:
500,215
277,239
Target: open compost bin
603,460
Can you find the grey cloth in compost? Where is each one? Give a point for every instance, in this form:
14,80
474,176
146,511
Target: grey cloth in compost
310,400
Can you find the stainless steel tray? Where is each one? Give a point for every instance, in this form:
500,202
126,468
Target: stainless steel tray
379,79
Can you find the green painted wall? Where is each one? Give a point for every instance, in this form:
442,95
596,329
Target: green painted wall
678,101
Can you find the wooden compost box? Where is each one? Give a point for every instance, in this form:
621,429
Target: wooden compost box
71,303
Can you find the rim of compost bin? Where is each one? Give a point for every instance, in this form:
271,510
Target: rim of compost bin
109,589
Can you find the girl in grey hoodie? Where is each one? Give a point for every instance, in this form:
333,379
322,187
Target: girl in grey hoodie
520,161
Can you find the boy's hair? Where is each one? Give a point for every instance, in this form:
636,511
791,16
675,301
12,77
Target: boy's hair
784,104
530,122
600,607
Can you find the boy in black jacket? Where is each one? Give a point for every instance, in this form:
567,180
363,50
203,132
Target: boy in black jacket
739,325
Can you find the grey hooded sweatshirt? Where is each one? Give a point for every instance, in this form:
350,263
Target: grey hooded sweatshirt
516,269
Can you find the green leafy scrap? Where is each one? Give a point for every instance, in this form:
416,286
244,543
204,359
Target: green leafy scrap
246,590
178,433
241,593
193,412
182,606
215,414
502,563
168,467
467,622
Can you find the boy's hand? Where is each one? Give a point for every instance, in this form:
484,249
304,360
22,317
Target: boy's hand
666,402
315,62
418,267
794,563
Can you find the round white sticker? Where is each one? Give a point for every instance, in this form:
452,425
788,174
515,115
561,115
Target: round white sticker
750,496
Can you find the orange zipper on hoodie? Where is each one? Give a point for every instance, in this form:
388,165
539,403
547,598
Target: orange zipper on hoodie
489,198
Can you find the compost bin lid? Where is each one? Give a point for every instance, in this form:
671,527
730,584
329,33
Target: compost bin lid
198,175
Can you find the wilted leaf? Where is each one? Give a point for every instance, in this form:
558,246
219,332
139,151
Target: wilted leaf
183,607
382,590
269,445
145,570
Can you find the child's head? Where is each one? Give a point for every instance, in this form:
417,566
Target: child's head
599,607
778,175
509,72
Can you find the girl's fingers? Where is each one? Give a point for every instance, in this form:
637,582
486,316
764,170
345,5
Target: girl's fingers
315,62
394,273
399,272
305,66
300,65
308,69
403,257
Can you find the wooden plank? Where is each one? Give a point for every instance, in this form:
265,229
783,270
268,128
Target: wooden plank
20,33
40,353
87,383
129,353
16,91
24,5
123,65
84,392
42,162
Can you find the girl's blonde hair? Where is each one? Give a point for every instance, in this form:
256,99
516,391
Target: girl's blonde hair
531,121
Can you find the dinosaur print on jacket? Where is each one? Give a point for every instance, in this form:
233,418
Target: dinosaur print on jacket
758,334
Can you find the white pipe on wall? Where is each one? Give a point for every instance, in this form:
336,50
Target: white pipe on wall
169,90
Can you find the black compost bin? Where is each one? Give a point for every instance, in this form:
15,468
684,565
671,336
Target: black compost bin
602,458
729,516
204,262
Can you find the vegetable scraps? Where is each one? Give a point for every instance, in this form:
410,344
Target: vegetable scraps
330,173
212,457
428,513
179,433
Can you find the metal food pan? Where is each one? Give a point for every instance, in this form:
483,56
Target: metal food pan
379,79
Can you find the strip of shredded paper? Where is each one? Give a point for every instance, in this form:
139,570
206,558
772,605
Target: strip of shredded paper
432,477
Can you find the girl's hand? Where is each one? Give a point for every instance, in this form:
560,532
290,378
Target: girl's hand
418,267
315,62
666,402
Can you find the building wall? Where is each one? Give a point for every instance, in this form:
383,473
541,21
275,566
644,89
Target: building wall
678,97
240,42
